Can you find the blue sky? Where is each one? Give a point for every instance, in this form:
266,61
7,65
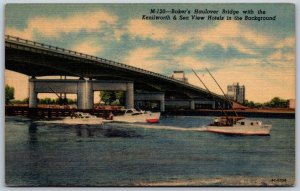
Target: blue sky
258,54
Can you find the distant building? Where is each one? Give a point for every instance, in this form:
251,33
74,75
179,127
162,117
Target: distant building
179,75
292,104
236,92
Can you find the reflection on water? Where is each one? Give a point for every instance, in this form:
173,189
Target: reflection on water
84,131
128,154
32,131
111,131
79,132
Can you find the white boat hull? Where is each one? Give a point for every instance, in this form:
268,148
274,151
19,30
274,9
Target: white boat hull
142,118
241,130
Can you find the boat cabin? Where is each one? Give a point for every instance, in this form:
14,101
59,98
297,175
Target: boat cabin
133,112
245,122
81,115
226,120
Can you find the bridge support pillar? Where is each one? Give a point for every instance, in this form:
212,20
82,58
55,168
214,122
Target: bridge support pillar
129,103
151,96
85,96
214,105
192,104
89,94
162,103
32,95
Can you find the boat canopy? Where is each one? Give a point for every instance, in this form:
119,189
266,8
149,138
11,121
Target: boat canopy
226,120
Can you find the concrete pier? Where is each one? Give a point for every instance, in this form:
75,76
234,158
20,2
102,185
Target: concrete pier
85,95
189,104
192,104
32,95
89,93
129,103
151,96
83,88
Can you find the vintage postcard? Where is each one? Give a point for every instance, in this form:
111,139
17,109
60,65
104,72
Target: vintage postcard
150,94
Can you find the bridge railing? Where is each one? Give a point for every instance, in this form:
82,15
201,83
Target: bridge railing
101,60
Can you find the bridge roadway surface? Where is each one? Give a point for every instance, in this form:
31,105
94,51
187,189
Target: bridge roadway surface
38,59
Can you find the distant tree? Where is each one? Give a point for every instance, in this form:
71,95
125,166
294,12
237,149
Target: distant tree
60,101
45,101
26,100
9,94
71,101
277,102
249,103
112,97
120,96
258,105
107,97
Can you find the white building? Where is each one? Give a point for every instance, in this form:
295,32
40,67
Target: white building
179,75
292,104
236,92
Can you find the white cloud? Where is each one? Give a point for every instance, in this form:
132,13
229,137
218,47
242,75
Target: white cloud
24,33
179,38
88,47
145,58
230,33
282,56
225,33
190,62
287,42
262,84
146,29
54,26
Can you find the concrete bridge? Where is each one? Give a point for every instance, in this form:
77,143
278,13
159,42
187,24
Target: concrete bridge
37,59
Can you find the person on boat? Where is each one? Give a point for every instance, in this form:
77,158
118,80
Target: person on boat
111,116
217,122
226,121
72,114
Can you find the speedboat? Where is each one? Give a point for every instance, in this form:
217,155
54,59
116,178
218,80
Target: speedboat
82,118
238,126
134,116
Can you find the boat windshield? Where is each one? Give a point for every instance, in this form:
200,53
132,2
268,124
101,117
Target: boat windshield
133,112
226,120
81,115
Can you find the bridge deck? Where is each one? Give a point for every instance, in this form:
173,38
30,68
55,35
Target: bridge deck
54,59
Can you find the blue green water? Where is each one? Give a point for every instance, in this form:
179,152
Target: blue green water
38,154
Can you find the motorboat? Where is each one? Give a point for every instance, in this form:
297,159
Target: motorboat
135,116
82,118
234,124
238,126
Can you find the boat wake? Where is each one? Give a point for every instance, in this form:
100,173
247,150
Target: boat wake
164,127
134,125
48,122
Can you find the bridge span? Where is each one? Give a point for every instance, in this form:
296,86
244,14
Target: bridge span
37,59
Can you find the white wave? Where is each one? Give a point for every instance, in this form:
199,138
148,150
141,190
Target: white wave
137,125
164,127
49,122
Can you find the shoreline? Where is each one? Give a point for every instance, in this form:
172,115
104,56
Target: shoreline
234,181
266,113
60,112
